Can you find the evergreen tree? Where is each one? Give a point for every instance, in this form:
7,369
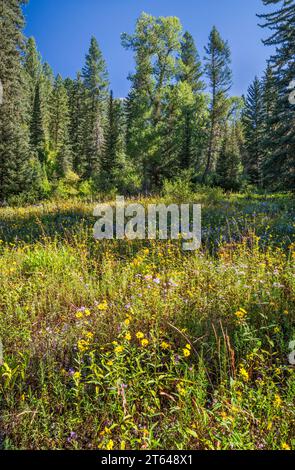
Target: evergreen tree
191,73
96,84
269,104
46,90
229,167
254,128
219,74
16,166
114,145
281,164
76,93
59,128
33,68
36,127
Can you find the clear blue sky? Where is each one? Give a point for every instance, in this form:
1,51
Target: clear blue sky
63,29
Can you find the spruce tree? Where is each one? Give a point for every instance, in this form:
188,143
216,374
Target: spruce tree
46,90
113,139
33,68
96,84
191,74
36,125
76,93
254,128
59,127
218,59
281,164
16,166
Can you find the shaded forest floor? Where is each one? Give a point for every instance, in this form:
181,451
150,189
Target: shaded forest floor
139,345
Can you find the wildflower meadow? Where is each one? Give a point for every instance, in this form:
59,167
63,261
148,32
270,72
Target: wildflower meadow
139,345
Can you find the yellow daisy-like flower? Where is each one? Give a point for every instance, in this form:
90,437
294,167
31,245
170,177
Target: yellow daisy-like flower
188,346
128,336
110,363
83,345
144,343
87,312
241,314
103,306
127,322
165,345
119,349
139,335
79,315
285,446
186,352
89,335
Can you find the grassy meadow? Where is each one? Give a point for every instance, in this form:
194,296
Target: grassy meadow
139,345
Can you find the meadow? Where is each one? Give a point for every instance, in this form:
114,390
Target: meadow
139,345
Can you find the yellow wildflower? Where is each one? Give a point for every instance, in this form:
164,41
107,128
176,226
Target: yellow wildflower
128,336
77,376
89,335
244,374
127,322
79,315
186,352
144,343
87,312
110,445
119,349
278,401
83,345
285,446
165,345
241,314
139,335
103,306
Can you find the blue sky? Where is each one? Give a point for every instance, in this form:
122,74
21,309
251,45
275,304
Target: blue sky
63,29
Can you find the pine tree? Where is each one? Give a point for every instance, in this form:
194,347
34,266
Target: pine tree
76,93
96,84
191,66
113,142
191,73
269,104
16,166
254,128
36,126
281,22
219,74
33,68
46,90
59,128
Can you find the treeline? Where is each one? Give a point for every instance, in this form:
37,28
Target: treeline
72,136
